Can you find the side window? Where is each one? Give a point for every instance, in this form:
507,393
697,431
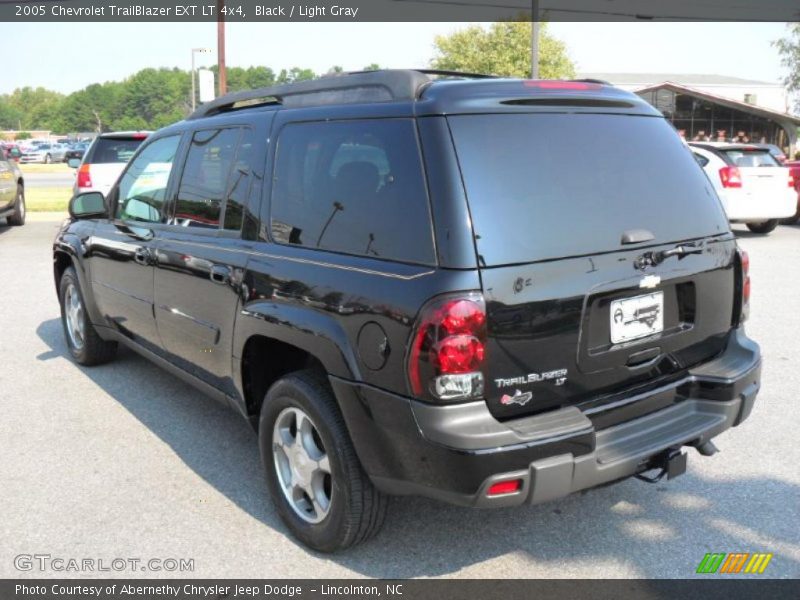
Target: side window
241,180
355,187
204,182
143,187
701,160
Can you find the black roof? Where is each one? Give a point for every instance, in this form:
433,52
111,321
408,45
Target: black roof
432,92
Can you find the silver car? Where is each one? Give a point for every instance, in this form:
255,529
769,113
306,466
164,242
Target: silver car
44,153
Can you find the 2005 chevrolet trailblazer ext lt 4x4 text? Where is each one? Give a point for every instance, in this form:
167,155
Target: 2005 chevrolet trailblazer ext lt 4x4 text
487,291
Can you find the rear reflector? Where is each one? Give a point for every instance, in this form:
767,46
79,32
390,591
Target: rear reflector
505,487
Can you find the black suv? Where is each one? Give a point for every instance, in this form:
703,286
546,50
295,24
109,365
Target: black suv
487,291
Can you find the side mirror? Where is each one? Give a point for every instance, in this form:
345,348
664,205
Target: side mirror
87,206
74,163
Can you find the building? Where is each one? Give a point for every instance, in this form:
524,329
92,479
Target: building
716,107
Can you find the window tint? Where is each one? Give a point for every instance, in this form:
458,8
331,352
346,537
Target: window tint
204,182
112,150
143,187
240,182
355,187
751,158
543,186
701,160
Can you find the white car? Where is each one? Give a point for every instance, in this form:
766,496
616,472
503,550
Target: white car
754,188
105,160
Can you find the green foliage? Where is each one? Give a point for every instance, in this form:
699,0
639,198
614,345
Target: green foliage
789,49
502,49
372,67
149,99
23,135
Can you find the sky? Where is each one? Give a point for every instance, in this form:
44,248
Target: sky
67,58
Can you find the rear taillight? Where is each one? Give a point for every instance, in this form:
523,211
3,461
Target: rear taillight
744,265
791,179
448,348
84,179
730,177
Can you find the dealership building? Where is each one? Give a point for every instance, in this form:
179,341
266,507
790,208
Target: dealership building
716,107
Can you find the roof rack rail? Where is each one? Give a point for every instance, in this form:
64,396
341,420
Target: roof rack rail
462,74
367,86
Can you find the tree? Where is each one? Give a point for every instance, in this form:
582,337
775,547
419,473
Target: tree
789,49
23,135
503,49
373,67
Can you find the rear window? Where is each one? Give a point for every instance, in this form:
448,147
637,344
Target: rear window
113,150
543,186
751,158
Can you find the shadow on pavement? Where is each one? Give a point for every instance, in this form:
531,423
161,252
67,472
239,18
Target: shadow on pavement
651,528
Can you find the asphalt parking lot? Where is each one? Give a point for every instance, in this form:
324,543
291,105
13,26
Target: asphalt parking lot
127,461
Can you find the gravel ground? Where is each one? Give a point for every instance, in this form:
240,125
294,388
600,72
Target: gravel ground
126,461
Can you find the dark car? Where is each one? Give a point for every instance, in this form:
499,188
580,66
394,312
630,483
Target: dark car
409,283
775,151
76,151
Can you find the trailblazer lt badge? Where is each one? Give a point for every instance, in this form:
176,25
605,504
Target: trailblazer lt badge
518,398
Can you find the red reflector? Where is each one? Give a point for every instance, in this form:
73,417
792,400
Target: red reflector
505,487
745,258
746,290
554,84
791,179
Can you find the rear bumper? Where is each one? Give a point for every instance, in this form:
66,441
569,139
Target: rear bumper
454,453
742,206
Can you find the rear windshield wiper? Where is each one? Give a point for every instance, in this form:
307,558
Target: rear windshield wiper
651,259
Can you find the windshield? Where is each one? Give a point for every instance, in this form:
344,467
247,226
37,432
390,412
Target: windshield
113,150
543,186
751,158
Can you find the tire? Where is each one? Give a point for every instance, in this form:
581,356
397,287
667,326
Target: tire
763,227
20,211
83,342
356,509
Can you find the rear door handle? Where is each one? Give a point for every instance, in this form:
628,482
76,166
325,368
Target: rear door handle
220,274
143,256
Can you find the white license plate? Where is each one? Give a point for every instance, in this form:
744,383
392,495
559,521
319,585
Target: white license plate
638,317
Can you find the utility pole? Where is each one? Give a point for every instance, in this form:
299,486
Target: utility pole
534,39
223,75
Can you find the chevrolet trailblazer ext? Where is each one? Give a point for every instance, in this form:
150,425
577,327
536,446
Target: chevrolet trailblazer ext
487,291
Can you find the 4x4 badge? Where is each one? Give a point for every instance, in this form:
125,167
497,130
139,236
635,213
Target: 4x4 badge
517,398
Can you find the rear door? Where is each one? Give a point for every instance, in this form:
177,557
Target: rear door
566,210
203,253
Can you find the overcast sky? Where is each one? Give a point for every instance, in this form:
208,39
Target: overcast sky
69,57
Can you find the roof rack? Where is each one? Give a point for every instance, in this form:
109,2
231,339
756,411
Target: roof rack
341,88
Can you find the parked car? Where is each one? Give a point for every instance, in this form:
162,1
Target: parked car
753,187
12,191
76,151
775,151
44,153
105,159
794,167
413,285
